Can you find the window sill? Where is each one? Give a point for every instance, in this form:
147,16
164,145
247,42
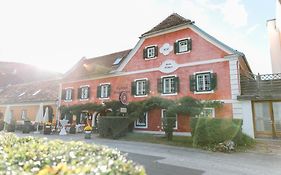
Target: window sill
140,127
153,58
169,94
67,101
204,92
180,53
137,96
86,99
104,98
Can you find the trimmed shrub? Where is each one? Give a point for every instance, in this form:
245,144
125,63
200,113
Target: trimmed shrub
30,155
113,126
211,131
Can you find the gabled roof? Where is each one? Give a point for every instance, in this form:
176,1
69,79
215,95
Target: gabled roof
41,91
171,21
101,65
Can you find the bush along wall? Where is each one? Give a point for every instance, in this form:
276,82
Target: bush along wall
27,156
216,133
114,124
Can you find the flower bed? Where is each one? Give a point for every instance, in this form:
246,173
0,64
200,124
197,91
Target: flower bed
30,155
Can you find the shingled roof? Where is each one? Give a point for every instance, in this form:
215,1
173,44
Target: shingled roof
41,91
101,65
171,21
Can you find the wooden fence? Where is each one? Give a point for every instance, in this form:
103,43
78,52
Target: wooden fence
262,86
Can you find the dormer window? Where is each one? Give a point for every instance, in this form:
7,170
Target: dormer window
182,46
117,61
150,52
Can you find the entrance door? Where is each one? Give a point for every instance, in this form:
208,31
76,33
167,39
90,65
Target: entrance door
277,117
263,120
267,116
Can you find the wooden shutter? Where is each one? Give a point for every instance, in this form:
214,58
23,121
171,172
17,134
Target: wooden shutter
156,51
144,53
213,81
147,87
63,94
89,93
189,45
160,85
133,88
192,83
108,90
99,92
177,84
79,93
176,47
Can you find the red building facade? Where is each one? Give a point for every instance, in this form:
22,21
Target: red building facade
173,60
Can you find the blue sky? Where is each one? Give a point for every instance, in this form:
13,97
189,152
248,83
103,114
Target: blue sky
55,34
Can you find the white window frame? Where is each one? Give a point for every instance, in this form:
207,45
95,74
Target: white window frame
162,116
23,114
213,112
179,40
82,96
102,95
68,94
140,125
196,90
163,91
139,80
147,48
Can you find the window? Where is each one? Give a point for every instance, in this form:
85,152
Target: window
203,82
164,119
83,92
68,94
35,93
140,87
142,121
150,52
168,85
182,46
117,61
23,114
207,112
103,91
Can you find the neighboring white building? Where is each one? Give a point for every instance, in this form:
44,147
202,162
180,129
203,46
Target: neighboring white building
274,32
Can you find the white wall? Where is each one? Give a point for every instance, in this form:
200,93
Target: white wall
247,116
275,46
274,28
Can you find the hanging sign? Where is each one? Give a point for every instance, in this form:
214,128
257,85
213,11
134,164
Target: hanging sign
123,98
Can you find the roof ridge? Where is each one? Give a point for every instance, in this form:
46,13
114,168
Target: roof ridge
171,21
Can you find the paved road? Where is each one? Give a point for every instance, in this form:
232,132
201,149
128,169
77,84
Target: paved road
163,159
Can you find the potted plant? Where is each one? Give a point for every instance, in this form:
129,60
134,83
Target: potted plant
47,128
88,130
26,126
72,129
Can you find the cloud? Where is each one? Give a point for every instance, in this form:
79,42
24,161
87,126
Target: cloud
252,29
233,11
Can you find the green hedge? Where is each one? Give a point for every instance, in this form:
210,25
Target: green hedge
113,126
26,156
209,131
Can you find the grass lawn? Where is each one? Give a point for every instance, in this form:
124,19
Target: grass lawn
182,141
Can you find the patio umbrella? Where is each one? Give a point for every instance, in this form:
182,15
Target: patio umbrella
39,117
46,115
7,116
